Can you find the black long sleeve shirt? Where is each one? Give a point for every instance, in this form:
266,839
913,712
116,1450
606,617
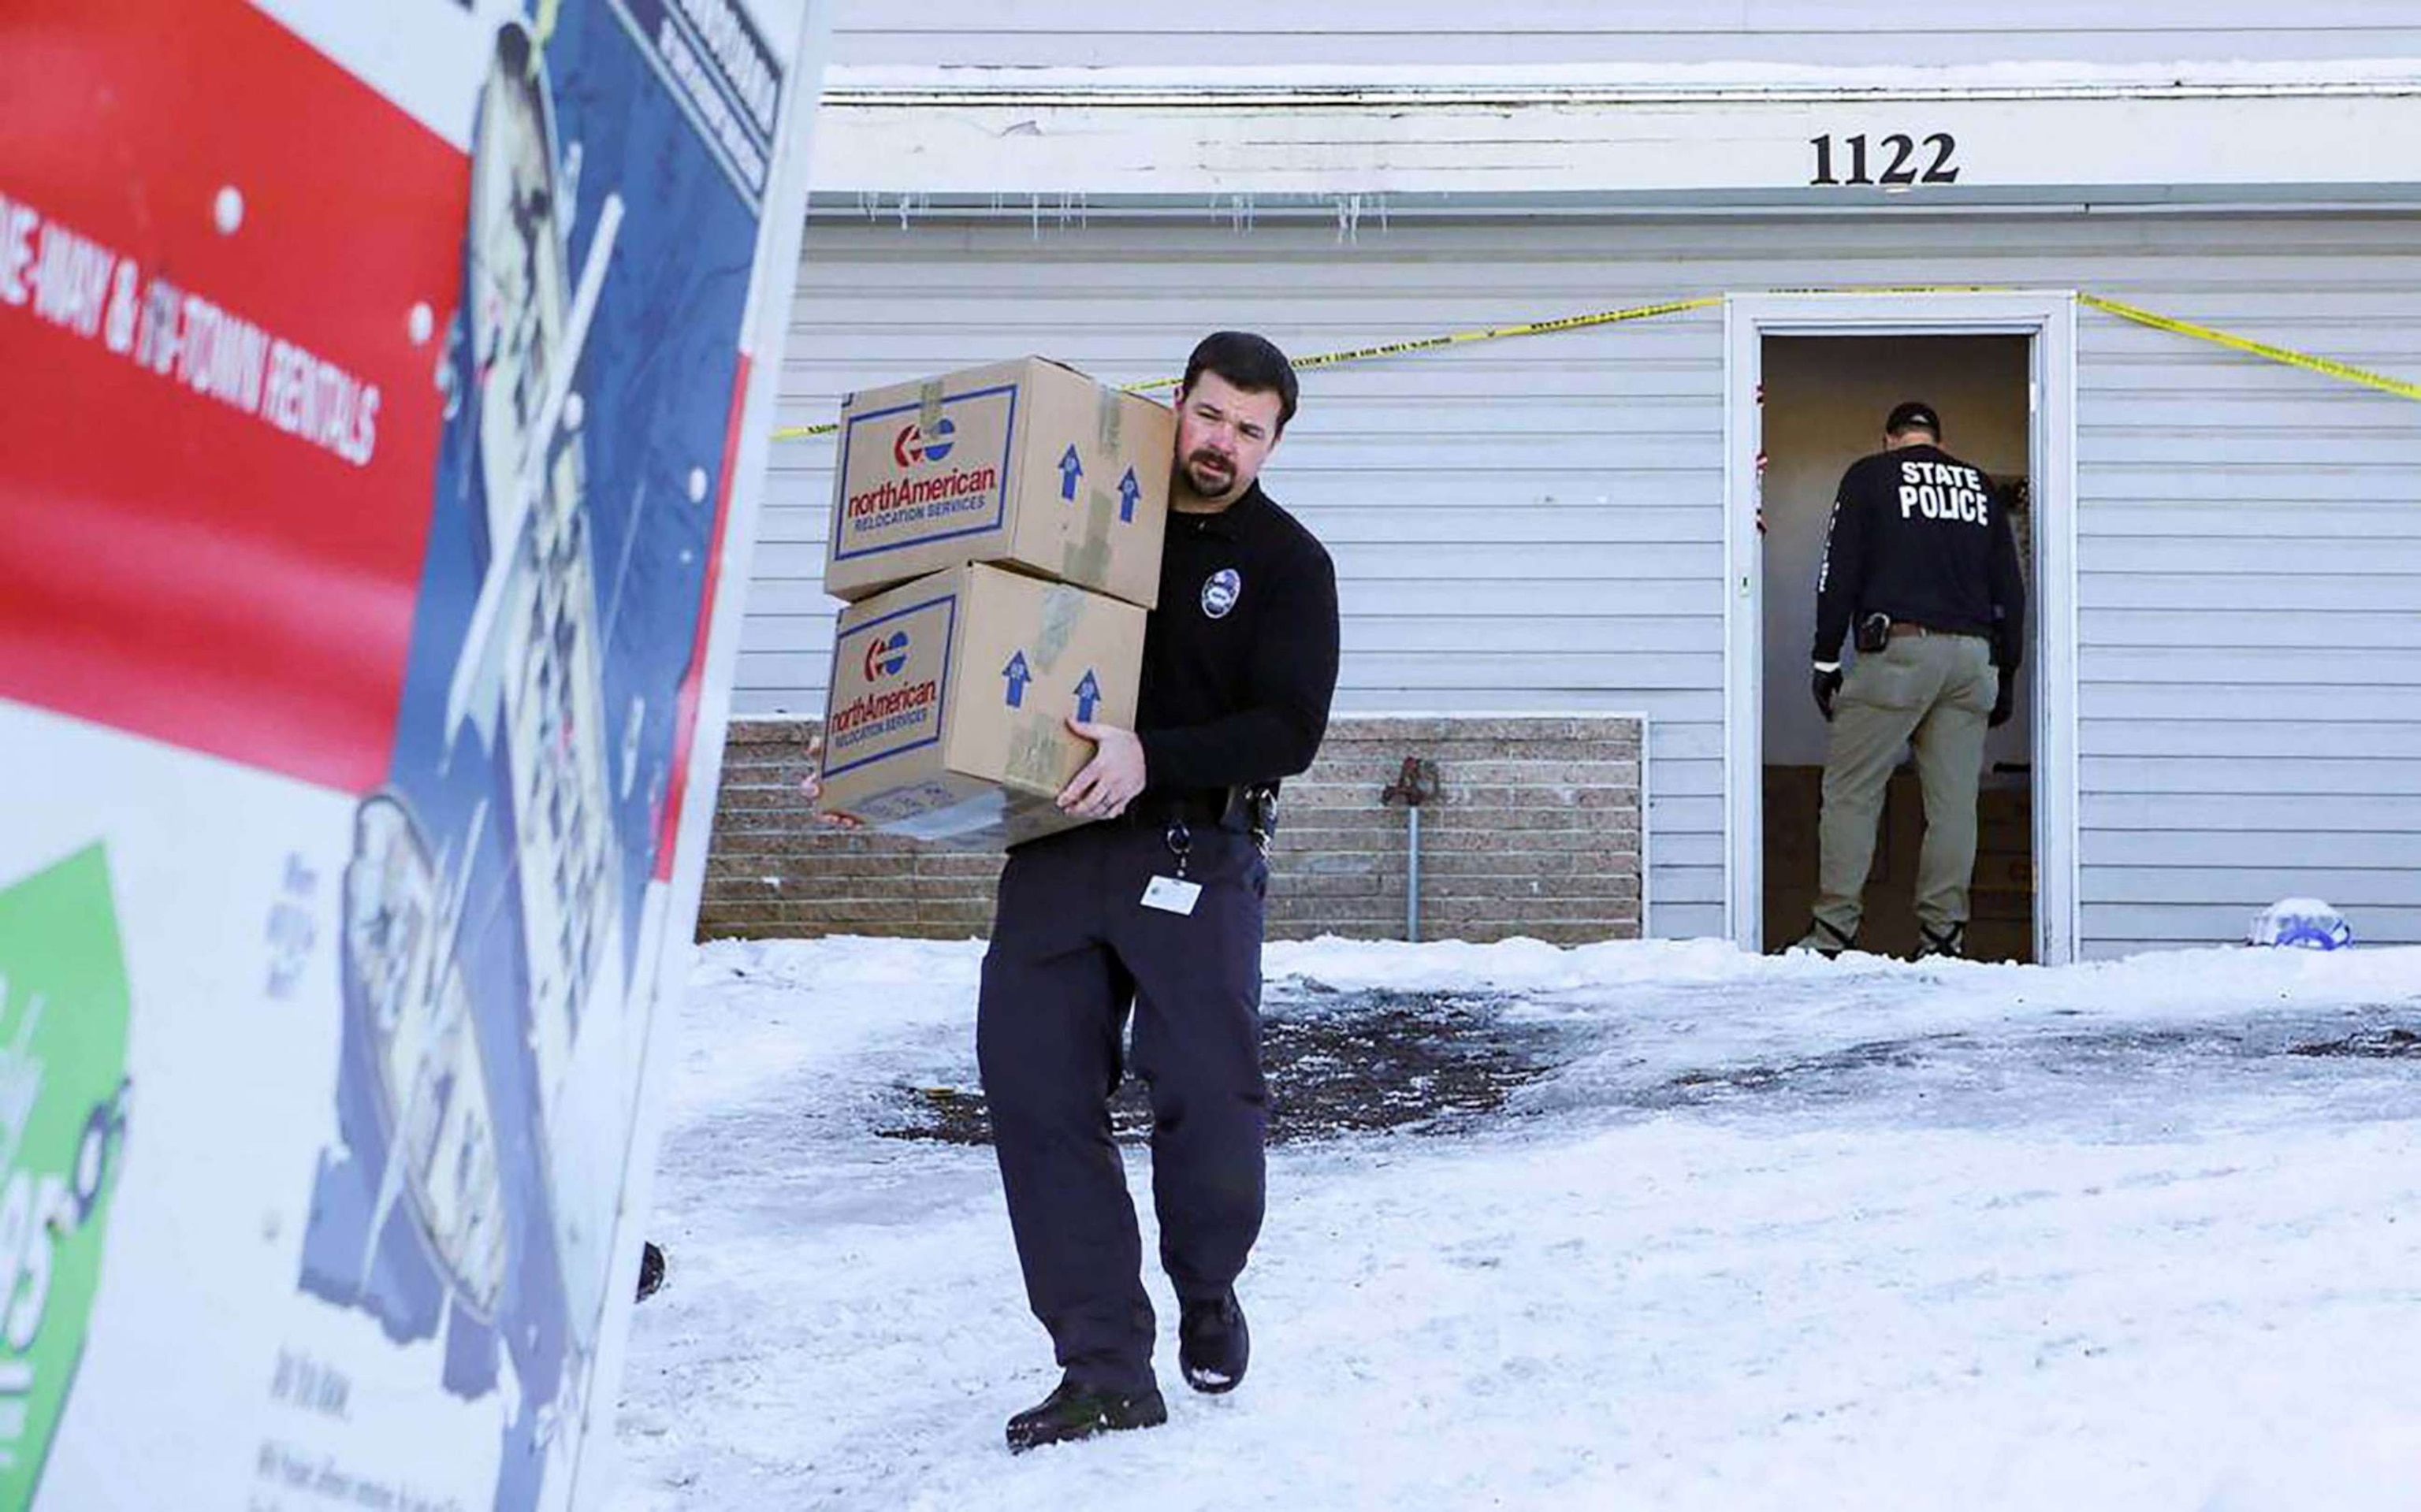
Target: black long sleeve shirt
1920,535
1240,658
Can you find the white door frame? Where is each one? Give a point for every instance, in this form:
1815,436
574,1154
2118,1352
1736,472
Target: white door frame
2048,317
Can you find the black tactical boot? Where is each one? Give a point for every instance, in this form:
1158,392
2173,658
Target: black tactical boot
1823,940
1213,1344
1075,1411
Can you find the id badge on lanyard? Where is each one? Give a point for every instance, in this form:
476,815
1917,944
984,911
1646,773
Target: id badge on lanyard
1175,895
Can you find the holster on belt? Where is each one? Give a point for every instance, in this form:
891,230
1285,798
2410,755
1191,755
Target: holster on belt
1252,809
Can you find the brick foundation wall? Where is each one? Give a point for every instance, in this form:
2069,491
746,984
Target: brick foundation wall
1536,831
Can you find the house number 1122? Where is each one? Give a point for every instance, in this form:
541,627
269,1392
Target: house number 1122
1899,154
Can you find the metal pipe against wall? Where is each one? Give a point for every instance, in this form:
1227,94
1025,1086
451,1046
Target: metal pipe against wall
1415,784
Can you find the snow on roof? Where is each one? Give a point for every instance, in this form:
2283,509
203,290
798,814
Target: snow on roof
2361,75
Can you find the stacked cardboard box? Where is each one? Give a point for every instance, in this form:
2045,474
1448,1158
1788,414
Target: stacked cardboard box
997,533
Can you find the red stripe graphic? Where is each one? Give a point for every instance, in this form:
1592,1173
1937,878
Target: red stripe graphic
685,718
216,244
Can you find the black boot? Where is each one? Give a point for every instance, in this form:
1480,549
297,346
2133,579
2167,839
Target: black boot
1075,1411
1823,939
1212,1344
1950,942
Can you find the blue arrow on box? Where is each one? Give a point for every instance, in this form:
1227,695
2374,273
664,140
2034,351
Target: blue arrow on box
1128,491
1069,471
1089,694
1018,677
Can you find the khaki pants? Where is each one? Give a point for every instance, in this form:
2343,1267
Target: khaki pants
1936,691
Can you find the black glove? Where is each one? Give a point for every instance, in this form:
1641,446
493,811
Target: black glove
2005,704
1827,684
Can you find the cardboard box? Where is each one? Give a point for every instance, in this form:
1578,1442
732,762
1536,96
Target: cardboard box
949,698
1027,462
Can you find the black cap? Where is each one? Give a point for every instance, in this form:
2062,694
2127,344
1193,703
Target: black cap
1910,415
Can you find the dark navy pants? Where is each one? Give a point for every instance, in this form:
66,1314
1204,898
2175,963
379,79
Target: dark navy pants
1073,949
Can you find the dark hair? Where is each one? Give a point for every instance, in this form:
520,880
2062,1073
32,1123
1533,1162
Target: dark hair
1252,363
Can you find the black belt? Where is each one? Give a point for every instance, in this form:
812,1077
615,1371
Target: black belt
1198,809
1910,627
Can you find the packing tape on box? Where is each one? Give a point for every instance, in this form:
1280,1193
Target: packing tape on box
1109,421
1086,557
2329,368
1062,606
1038,753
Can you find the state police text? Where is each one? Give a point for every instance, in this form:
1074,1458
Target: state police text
1939,491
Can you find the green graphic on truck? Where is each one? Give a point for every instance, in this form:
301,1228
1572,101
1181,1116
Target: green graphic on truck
63,1103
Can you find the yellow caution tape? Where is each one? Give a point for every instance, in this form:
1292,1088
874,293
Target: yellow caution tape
1643,312
1397,349
1499,333
2260,349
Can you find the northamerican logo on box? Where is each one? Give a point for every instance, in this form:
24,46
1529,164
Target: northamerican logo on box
892,672
924,484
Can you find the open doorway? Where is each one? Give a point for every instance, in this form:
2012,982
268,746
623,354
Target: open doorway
1824,400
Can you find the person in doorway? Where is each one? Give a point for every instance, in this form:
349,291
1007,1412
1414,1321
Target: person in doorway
1157,909
1921,561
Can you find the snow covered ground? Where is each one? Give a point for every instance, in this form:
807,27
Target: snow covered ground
1770,1233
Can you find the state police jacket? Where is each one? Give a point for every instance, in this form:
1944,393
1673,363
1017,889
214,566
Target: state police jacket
1922,536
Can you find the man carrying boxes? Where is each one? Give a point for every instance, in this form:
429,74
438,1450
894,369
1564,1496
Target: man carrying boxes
951,676
1135,878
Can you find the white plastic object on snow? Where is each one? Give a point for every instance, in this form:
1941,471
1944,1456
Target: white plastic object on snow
2307,923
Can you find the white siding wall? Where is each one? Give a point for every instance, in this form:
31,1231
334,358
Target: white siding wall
1537,524
2250,588
993,34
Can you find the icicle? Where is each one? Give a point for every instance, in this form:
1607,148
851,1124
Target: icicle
1349,218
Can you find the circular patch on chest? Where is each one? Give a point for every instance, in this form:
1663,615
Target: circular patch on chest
1220,591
